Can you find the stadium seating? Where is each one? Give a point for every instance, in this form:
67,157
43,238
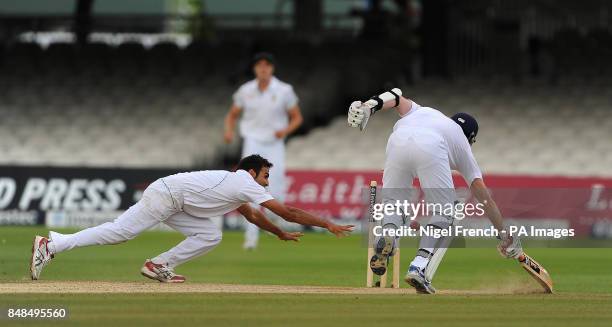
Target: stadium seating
124,106
95,106
128,106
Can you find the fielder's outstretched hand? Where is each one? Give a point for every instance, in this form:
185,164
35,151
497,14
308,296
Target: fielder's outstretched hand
340,230
290,236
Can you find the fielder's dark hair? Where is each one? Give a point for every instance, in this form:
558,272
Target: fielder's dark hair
267,56
255,162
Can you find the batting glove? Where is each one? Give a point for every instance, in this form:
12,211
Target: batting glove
510,247
360,112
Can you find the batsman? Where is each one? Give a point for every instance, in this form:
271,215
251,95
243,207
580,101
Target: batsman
428,145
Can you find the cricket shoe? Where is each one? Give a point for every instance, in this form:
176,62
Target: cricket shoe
162,273
416,278
383,250
40,256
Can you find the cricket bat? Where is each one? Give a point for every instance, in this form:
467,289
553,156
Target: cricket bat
536,271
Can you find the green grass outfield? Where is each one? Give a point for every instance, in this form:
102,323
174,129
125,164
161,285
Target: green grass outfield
583,284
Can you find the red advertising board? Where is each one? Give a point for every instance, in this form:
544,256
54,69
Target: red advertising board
582,202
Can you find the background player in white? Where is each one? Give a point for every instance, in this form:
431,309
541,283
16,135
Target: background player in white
270,112
427,144
186,202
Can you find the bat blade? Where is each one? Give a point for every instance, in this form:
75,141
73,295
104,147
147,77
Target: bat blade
537,271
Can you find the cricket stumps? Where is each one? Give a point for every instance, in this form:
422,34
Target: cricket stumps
395,266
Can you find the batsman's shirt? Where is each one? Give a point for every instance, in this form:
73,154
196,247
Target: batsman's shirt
428,120
264,113
213,193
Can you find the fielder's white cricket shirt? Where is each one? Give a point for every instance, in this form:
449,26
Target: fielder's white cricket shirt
459,151
213,193
264,113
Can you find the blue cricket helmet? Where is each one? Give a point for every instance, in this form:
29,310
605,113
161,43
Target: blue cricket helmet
468,124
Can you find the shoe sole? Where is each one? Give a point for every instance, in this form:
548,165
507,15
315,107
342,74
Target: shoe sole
418,285
379,261
388,247
378,264
151,275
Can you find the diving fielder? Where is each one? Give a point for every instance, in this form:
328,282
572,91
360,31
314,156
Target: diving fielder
270,112
186,202
427,144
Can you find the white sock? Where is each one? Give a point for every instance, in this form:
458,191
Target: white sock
159,261
53,242
419,262
51,247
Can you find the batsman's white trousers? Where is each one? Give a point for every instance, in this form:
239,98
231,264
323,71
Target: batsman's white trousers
420,153
417,153
275,153
156,205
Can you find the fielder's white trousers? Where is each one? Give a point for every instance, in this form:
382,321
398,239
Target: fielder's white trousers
156,205
275,153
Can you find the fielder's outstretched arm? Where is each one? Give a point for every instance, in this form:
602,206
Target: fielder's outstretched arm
360,112
259,219
302,217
